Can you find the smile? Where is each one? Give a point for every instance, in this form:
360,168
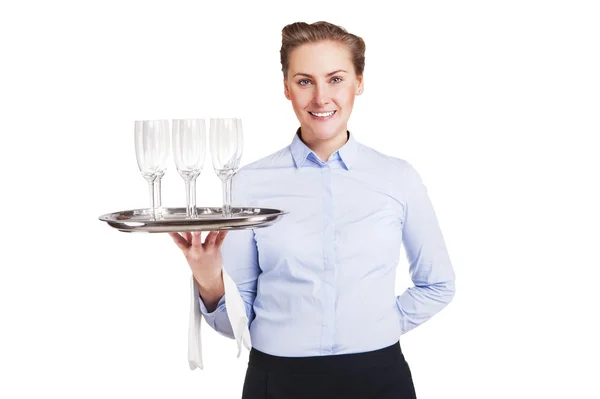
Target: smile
322,114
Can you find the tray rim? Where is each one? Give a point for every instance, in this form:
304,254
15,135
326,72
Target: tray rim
183,224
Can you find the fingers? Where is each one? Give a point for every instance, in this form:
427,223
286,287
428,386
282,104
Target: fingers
181,242
197,240
220,238
210,239
193,240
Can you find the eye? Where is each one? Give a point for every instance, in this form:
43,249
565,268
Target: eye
336,80
303,82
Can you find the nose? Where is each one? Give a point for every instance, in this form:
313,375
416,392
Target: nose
321,95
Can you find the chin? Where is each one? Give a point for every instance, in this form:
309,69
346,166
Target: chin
326,135
324,132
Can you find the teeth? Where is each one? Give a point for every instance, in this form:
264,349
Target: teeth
322,114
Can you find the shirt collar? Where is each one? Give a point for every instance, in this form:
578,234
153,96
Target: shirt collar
301,151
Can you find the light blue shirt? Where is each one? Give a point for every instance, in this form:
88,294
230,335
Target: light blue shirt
321,280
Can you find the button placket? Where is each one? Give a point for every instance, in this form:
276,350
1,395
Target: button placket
327,339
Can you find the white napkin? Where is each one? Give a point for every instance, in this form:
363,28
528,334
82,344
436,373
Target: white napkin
236,312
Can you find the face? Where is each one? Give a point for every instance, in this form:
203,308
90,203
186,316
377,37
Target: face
321,84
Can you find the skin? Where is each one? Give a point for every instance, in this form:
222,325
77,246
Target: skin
320,78
206,263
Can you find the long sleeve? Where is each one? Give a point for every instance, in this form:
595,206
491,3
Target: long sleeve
235,316
234,311
240,263
430,268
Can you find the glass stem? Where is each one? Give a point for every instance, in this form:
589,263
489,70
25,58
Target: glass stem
227,197
192,196
152,204
188,199
158,196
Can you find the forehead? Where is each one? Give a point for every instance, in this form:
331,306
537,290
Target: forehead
320,58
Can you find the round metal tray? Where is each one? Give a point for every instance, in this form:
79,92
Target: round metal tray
174,220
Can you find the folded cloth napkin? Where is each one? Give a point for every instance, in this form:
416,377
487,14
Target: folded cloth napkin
236,312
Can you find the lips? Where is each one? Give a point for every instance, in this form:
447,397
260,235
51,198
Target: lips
322,115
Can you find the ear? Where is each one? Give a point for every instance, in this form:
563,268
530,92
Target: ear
360,85
286,90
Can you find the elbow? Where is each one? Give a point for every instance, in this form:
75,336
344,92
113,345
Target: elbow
448,291
226,334
440,293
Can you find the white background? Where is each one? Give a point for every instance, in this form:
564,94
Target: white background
495,103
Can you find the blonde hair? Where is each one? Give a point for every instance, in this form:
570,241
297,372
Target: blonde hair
298,33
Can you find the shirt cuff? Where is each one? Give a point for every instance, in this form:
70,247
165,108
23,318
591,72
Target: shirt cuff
205,312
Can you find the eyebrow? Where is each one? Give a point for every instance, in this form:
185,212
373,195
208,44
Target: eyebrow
329,74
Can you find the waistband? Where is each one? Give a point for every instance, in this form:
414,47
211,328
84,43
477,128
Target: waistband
388,356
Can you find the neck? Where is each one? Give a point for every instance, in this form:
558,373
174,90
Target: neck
324,148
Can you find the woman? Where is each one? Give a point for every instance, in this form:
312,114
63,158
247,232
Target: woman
318,285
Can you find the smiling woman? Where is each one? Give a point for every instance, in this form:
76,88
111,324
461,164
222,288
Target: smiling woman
322,68
319,287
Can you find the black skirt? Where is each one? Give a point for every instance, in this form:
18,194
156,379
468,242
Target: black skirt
379,374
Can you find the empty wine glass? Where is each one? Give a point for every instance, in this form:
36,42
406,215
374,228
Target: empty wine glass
152,142
226,145
189,152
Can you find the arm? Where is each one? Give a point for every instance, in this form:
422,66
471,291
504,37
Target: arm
240,263
211,293
430,267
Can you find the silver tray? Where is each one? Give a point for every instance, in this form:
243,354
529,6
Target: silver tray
208,219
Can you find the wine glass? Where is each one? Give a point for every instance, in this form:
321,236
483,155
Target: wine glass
152,152
189,152
226,145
